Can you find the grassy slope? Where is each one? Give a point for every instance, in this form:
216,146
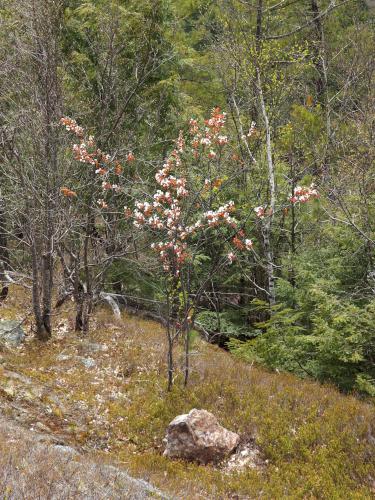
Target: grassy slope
318,442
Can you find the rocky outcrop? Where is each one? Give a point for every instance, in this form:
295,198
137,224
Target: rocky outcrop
11,333
32,466
198,436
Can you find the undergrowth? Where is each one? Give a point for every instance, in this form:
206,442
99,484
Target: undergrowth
318,442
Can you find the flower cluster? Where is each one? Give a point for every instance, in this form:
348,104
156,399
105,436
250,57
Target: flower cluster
87,152
260,212
72,126
165,213
303,194
102,203
210,135
300,195
242,243
222,214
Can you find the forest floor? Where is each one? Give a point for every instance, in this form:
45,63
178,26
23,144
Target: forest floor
105,397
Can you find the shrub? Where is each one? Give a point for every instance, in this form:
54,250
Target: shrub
321,336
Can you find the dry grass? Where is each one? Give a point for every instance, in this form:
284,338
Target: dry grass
319,443
32,469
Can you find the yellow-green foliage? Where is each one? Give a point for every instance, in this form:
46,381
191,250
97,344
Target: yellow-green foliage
316,440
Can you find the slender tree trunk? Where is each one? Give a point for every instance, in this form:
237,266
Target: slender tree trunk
42,333
88,292
4,252
170,366
267,225
170,359
78,295
45,24
292,273
47,272
321,81
186,330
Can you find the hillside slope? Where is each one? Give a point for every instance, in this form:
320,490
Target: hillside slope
105,396
33,466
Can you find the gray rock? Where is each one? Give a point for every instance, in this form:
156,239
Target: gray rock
56,471
87,362
11,332
197,436
40,427
16,385
63,357
92,347
68,450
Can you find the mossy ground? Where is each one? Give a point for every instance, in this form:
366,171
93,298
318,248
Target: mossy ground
318,442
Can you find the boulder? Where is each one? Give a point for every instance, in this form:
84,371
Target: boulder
11,332
198,436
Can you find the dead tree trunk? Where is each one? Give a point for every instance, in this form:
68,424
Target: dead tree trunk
44,28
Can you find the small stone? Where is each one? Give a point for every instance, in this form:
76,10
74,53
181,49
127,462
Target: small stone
88,362
63,357
247,456
92,347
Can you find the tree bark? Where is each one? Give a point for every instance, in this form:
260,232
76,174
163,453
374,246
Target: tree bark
4,252
321,82
45,26
267,225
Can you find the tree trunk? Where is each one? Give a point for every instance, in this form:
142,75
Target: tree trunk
4,252
321,81
170,366
42,332
267,225
45,27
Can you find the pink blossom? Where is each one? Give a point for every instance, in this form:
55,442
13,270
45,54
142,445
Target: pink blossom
260,212
248,244
231,257
222,140
303,194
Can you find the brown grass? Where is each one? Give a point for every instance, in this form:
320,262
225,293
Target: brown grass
319,443
32,469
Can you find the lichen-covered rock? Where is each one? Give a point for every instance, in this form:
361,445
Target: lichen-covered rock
11,332
198,436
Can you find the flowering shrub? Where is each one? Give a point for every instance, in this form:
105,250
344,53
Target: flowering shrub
303,194
175,211
188,216
87,152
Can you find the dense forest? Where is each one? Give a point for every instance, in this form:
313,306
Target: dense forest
208,165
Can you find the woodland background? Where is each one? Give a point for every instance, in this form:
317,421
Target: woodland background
133,74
